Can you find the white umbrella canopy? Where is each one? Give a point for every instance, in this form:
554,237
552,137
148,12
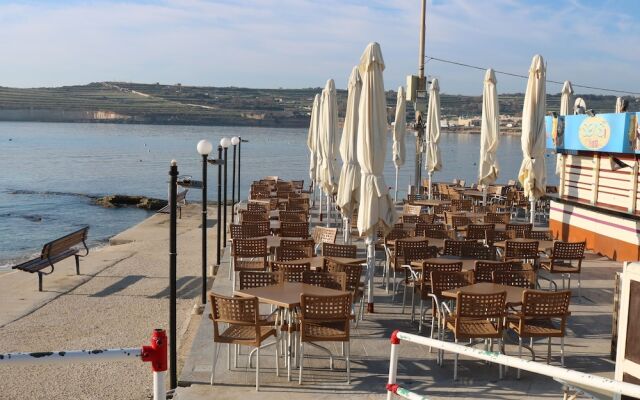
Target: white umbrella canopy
313,136
433,160
532,173
565,104
566,98
375,204
399,131
619,103
329,139
349,185
376,207
489,131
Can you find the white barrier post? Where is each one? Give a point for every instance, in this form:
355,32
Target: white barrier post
393,365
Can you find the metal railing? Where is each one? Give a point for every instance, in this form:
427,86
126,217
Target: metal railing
156,354
592,385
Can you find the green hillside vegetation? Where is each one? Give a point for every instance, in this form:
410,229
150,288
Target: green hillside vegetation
201,105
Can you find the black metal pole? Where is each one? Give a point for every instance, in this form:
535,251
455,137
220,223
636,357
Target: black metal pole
173,173
224,217
219,237
204,228
239,150
233,187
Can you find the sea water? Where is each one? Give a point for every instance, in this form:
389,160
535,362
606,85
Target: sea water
51,172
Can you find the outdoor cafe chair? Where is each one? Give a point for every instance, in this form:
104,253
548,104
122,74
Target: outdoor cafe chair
410,209
339,250
424,288
297,204
324,235
521,230
456,248
255,279
479,231
294,229
293,216
543,314
497,218
517,250
475,250
256,207
290,272
566,259
244,327
329,280
291,248
523,278
410,219
404,253
441,281
258,228
540,235
249,254
325,319
427,218
354,285
253,216
476,316
483,270
462,205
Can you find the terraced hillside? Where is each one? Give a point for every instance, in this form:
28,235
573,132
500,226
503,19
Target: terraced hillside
199,105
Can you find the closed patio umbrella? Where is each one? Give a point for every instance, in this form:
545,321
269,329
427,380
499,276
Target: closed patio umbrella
619,104
376,207
489,133
349,185
312,138
532,173
433,161
329,144
399,130
565,104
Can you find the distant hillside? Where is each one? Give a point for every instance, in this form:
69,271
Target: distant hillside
200,105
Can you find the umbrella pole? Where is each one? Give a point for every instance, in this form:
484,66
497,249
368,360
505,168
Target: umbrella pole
346,229
371,264
430,194
313,185
484,196
532,210
320,207
395,200
328,211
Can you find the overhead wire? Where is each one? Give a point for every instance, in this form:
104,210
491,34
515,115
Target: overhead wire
461,64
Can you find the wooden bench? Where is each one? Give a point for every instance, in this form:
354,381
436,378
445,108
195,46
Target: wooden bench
55,251
181,199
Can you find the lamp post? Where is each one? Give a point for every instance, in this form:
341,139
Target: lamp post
241,140
225,143
234,141
173,254
204,148
218,162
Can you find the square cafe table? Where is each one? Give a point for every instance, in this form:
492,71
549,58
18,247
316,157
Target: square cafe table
514,293
286,295
318,262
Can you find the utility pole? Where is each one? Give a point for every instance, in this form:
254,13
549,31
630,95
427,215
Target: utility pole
422,86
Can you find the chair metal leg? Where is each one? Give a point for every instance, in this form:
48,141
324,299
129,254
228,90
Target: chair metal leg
499,365
258,369
277,346
404,297
455,365
549,350
519,354
301,362
213,361
420,317
228,357
77,264
562,350
348,360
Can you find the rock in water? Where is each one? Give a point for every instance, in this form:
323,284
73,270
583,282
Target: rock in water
118,200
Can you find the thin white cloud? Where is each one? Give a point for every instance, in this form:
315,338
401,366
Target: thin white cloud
301,43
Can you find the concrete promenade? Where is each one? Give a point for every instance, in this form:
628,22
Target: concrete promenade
117,301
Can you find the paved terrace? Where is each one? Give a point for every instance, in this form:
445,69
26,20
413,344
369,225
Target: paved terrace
587,349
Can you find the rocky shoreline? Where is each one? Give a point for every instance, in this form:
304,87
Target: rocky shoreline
120,200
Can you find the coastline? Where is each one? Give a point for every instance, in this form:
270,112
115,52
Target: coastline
120,296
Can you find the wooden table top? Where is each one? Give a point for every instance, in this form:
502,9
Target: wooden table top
439,243
318,262
431,202
473,193
286,294
514,294
467,263
545,246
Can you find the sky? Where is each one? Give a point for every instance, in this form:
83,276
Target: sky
302,43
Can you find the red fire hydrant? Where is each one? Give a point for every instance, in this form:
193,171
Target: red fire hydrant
156,354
